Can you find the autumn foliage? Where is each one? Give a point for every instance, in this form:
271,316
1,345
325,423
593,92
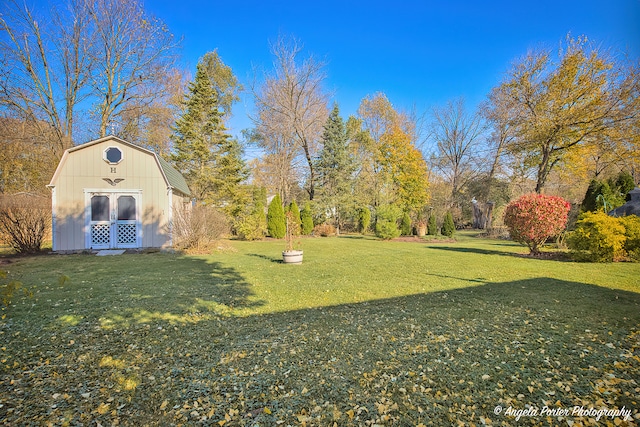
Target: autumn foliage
599,237
533,218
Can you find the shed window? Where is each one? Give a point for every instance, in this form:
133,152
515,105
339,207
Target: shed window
112,155
100,208
126,208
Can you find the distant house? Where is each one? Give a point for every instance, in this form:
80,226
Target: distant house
111,194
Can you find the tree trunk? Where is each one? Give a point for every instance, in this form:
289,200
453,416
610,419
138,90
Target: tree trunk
482,215
477,215
489,216
543,170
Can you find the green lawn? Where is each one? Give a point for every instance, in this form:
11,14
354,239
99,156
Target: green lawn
364,332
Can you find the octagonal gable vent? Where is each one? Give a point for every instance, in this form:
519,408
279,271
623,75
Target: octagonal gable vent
112,155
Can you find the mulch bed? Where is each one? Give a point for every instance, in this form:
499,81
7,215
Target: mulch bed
416,239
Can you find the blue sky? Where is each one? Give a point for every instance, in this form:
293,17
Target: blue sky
419,53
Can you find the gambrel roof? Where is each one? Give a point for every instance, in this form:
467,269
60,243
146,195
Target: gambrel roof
173,178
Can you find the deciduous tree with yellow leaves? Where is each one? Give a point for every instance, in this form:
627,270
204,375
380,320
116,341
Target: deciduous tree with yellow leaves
407,169
558,105
391,167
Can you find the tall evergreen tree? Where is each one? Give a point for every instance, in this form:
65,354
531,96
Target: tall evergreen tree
624,183
335,167
364,219
609,194
204,152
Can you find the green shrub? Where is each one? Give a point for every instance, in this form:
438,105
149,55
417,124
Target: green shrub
276,225
295,212
364,220
387,222
252,227
632,233
405,225
624,182
448,227
597,238
609,194
307,219
432,227
590,202
252,224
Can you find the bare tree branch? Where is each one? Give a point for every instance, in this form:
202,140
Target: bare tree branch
291,106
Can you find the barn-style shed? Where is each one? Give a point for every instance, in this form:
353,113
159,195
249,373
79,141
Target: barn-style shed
111,194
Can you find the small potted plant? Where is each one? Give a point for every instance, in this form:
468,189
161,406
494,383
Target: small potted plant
291,255
421,228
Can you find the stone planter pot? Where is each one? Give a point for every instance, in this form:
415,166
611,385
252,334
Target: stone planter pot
292,257
422,230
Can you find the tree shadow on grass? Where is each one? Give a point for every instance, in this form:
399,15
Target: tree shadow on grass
479,251
268,258
182,290
544,255
518,332
469,347
565,299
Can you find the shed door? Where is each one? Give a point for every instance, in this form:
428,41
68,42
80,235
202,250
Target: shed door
114,221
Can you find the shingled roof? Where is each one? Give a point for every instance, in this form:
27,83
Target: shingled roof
632,207
175,178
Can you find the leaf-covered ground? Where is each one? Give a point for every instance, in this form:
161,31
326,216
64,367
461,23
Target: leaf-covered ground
108,347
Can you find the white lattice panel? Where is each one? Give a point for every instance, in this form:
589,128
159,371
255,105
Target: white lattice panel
99,234
127,234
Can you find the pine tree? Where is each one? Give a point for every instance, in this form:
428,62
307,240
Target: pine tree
405,225
432,227
334,168
387,222
624,183
276,225
448,227
252,223
307,219
364,220
204,152
606,195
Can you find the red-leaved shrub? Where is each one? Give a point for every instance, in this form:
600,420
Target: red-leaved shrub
533,218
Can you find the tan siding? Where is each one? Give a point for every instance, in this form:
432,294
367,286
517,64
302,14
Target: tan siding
85,169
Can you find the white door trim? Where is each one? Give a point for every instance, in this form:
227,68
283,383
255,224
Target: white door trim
113,195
